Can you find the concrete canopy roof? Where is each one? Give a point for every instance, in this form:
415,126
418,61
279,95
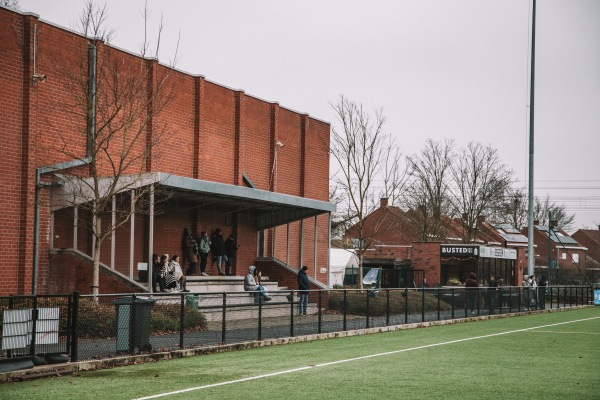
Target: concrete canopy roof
269,209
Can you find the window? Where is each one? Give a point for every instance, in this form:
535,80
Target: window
563,256
576,258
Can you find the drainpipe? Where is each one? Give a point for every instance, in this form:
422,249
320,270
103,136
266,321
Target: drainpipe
91,133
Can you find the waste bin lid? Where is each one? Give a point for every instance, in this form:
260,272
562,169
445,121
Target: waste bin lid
131,300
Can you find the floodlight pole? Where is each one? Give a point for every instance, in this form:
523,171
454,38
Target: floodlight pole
549,246
530,251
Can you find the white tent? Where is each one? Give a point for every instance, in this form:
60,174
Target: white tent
339,260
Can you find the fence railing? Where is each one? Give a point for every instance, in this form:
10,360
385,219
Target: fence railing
93,327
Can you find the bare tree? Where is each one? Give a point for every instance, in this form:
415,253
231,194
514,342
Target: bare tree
542,209
479,178
393,173
114,106
512,209
14,4
361,148
427,194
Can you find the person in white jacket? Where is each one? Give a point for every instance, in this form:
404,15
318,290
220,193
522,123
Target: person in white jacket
250,285
179,276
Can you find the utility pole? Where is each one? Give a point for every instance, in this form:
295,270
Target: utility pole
549,246
530,229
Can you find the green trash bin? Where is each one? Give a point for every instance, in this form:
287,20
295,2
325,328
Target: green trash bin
133,324
191,301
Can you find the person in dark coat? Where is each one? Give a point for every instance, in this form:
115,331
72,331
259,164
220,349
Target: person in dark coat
304,287
492,294
189,246
471,291
231,247
218,249
542,291
156,275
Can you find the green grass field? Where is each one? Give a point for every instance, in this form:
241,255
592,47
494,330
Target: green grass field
543,356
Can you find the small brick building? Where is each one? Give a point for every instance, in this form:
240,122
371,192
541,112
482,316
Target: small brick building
228,160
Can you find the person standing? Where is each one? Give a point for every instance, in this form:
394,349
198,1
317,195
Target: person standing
534,292
231,247
542,291
218,249
204,248
471,291
189,245
303,288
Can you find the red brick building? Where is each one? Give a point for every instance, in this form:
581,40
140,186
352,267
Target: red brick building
590,238
228,160
394,244
565,251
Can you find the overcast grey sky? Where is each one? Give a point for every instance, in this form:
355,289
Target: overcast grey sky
439,69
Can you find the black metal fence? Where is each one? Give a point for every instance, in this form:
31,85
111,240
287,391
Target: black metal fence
88,327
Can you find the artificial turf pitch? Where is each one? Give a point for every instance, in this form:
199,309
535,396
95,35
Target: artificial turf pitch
543,356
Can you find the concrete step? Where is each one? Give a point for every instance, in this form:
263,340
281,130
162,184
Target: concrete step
270,309
237,298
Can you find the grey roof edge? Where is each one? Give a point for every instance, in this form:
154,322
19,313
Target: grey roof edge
198,185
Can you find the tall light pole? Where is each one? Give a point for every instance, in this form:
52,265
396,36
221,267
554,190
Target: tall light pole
530,229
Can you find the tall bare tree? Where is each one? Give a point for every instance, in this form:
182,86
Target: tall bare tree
427,193
361,148
479,178
512,209
114,106
544,208
14,4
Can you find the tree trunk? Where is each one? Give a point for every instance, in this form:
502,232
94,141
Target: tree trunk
97,246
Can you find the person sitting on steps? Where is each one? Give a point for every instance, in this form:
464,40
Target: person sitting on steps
250,285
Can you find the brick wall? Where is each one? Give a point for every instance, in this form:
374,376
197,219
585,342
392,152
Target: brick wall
206,131
426,256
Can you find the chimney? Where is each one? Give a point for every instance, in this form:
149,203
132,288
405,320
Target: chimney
554,223
480,219
383,202
536,222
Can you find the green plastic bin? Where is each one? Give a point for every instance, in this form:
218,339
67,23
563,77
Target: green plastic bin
133,324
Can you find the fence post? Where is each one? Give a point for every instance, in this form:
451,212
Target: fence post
387,307
224,318
422,304
260,303
345,306
406,305
292,314
439,295
181,320
34,317
320,308
73,327
452,293
368,304
510,299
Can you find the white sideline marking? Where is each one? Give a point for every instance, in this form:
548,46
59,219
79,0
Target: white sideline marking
570,333
289,371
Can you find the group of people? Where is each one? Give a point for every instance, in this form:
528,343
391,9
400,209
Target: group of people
252,283
533,296
167,274
222,251
536,297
